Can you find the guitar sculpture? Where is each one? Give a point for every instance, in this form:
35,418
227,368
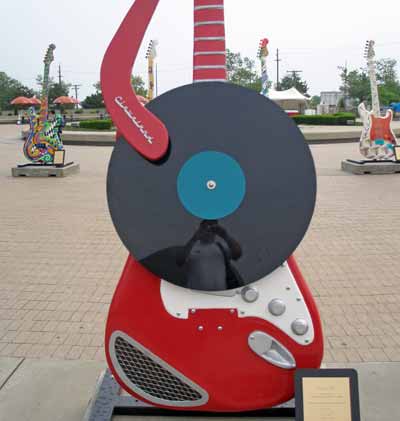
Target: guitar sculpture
151,56
263,53
377,138
211,312
43,138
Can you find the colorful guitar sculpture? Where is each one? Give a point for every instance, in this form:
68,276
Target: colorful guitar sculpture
43,138
377,138
192,349
263,53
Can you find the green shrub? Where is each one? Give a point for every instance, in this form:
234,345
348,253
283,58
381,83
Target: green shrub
96,124
338,119
79,111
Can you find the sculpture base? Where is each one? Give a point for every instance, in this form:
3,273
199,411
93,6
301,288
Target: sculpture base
370,167
108,402
44,170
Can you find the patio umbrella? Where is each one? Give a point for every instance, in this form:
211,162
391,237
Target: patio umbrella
22,100
35,101
65,100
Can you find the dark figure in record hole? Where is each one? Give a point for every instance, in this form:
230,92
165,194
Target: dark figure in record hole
207,259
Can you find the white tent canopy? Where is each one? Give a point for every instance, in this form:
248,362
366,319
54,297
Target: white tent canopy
291,94
291,100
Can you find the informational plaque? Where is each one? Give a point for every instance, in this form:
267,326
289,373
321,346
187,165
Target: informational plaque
327,395
59,158
397,153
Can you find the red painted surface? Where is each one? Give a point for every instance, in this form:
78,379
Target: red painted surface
209,46
209,59
207,15
220,362
151,138
380,128
202,44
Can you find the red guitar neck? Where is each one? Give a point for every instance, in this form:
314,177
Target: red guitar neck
209,61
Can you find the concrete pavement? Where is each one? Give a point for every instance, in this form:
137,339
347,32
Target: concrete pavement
41,390
60,258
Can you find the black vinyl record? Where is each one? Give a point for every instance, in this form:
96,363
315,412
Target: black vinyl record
237,186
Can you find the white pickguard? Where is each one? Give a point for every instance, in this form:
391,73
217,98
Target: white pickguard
280,284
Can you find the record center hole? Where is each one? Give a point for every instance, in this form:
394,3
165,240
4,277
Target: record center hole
211,185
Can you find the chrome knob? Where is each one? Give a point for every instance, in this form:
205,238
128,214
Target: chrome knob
300,327
277,307
250,294
211,185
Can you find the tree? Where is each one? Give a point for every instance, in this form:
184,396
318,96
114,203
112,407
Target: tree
139,85
388,94
315,101
386,71
95,100
55,89
389,89
242,71
294,81
11,88
356,83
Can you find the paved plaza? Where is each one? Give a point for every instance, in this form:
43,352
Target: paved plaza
60,258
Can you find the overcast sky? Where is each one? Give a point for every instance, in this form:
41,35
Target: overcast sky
314,36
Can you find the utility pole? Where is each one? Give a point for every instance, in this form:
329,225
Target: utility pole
294,73
345,79
59,75
76,89
278,60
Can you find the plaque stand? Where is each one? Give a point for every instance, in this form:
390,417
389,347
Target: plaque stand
371,167
108,402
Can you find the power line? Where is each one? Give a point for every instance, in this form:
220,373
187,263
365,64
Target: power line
294,73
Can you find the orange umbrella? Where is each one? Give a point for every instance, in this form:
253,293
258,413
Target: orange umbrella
22,100
35,101
64,100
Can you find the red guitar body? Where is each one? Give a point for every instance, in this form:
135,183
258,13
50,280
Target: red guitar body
229,375
381,128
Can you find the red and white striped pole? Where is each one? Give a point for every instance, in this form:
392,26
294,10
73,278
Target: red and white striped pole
209,60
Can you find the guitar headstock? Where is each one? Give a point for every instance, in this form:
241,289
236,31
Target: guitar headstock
49,57
263,48
369,52
152,49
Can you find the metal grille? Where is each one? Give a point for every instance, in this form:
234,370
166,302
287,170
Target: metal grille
151,377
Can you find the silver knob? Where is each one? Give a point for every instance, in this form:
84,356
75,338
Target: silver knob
211,185
277,307
250,294
300,327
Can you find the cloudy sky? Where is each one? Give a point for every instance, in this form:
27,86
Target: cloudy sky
313,36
